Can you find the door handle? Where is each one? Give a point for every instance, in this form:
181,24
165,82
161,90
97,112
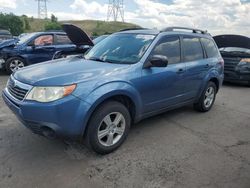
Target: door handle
181,70
207,66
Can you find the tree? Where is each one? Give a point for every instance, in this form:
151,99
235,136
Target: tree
53,18
52,26
26,24
11,22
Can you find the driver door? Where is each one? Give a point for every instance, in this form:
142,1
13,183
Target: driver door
162,87
41,49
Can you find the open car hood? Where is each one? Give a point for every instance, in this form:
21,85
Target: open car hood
238,41
76,35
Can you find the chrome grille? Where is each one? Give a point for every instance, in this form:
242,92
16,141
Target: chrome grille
15,90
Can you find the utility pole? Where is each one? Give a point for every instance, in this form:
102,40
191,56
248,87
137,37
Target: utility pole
115,9
42,9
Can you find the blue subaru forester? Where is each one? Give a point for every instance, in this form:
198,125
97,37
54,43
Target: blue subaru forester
129,76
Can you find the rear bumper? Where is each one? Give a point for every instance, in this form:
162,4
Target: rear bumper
236,76
63,118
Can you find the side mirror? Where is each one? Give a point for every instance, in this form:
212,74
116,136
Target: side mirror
32,45
157,61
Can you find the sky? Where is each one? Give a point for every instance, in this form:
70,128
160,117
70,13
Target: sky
216,16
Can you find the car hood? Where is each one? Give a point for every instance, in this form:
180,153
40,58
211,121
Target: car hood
238,41
67,71
76,35
8,43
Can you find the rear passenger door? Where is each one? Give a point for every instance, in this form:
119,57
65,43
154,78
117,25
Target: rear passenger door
196,65
161,87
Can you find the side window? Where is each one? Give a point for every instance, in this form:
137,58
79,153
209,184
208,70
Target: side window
62,39
169,47
43,40
192,49
210,48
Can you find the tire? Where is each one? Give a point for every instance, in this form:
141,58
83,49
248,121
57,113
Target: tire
102,132
248,84
13,64
206,99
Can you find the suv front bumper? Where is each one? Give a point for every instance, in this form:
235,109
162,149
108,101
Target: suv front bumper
235,76
63,118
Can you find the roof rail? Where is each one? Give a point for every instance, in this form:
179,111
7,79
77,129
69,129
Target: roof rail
135,28
185,28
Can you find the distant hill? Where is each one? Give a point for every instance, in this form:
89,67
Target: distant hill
92,27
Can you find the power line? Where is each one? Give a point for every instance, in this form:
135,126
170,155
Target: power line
115,10
42,8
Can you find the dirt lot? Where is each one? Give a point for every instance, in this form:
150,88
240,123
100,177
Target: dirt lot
181,148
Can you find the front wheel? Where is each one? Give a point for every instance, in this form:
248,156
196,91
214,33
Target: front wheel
13,64
108,127
207,98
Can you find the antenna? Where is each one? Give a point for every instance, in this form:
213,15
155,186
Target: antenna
115,9
42,8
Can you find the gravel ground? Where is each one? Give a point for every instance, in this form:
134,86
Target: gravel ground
181,148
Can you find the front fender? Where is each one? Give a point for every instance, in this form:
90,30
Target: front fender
111,89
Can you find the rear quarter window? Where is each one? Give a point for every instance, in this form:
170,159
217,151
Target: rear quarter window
62,39
192,49
210,48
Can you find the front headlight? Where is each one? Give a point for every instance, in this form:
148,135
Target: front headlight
49,94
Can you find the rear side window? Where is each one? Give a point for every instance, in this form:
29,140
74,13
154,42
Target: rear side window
210,48
192,49
169,47
62,39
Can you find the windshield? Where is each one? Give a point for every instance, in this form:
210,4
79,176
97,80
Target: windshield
24,38
122,48
99,39
235,49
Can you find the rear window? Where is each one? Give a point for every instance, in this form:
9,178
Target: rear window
210,48
62,39
192,49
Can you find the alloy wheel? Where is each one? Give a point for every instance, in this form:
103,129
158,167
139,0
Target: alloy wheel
111,129
16,65
209,97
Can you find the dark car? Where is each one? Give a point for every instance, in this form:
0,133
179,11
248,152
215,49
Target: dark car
235,50
5,35
34,48
78,37
81,49
127,77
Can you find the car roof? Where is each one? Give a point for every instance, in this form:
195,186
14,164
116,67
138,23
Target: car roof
141,31
156,32
4,32
50,32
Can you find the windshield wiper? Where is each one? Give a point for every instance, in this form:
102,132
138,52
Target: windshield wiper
96,59
99,59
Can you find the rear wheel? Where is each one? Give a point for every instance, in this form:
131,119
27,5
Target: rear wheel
207,98
108,127
13,64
